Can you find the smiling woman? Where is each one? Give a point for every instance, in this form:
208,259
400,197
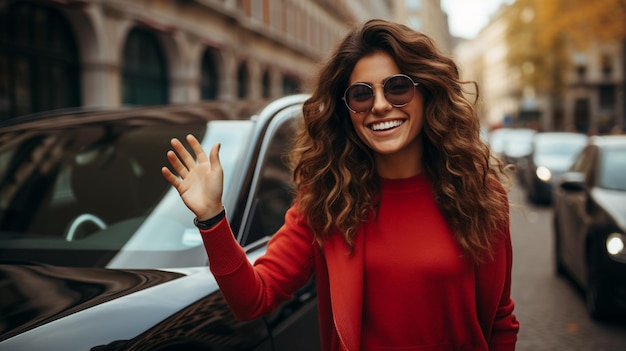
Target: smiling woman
400,211
391,136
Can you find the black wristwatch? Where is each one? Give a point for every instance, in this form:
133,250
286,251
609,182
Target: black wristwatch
211,222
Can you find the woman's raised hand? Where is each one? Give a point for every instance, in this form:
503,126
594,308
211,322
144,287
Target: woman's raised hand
200,184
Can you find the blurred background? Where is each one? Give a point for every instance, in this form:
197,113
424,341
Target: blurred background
541,66
548,65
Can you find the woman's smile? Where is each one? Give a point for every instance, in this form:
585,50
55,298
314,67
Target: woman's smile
386,125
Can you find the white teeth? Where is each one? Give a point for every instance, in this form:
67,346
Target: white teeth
386,125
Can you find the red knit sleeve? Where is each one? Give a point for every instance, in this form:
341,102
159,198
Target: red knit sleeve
256,290
494,302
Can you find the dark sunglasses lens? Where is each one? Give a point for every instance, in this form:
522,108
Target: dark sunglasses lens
360,97
399,90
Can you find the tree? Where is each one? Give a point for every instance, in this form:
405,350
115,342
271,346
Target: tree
583,21
542,33
539,69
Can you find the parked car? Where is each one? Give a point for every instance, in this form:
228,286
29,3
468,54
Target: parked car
590,224
552,153
516,147
97,250
496,139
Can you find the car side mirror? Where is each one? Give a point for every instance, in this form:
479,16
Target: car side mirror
572,181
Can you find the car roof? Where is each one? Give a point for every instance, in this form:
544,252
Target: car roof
162,114
558,135
608,140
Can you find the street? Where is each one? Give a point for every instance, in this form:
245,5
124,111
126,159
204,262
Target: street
551,311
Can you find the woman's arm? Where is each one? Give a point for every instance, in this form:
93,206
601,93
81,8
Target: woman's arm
256,290
494,303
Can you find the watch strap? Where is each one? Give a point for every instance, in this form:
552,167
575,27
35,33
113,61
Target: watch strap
211,222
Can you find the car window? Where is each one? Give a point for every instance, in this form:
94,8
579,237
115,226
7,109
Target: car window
613,170
273,195
84,188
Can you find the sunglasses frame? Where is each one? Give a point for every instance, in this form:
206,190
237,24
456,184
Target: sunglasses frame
371,86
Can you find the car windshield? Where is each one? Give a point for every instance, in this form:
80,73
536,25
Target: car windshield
518,142
613,170
81,196
560,147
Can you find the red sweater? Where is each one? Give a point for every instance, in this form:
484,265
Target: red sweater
406,285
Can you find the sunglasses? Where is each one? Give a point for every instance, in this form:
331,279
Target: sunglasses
399,90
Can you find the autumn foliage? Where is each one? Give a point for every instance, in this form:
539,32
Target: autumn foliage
542,33
581,20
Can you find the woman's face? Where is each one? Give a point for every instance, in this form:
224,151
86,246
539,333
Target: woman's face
389,131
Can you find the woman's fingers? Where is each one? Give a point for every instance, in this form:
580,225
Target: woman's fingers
177,165
197,148
170,177
184,156
215,156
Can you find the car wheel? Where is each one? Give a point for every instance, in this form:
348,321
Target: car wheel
559,268
597,293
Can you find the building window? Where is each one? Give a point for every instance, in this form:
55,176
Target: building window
209,84
144,74
581,71
257,9
39,61
608,98
242,81
290,85
267,85
276,14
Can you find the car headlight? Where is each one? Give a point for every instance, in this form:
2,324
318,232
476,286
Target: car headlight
543,173
615,244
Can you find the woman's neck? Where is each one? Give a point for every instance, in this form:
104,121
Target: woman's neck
399,165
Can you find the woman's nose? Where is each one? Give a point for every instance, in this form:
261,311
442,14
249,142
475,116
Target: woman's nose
381,104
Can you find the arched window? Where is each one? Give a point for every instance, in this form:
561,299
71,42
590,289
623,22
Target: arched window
209,84
39,62
267,85
242,81
144,73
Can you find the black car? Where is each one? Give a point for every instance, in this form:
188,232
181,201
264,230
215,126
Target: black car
552,153
590,224
97,250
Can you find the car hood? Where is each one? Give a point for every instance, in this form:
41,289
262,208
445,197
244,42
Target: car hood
613,202
36,295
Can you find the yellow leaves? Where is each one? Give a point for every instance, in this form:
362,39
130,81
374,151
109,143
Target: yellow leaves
581,20
543,33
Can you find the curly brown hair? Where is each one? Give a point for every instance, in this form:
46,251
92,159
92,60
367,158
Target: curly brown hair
334,172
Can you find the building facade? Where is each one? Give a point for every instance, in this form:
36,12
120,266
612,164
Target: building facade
594,99
427,17
84,53
484,61
591,102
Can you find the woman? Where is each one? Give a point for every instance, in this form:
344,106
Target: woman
400,211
